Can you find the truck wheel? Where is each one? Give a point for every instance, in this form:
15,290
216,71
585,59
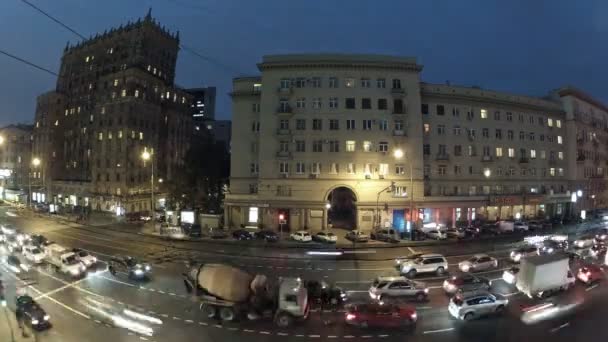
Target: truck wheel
227,314
208,310
284,320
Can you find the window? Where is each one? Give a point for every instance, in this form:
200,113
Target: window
254,168
381,83
383,125
136,93
315,168
496,115
300,146
485,132
316,103
350,168
334,124
426,149
541,137
486,151
399,169
470,115
510,134
123,93
441,170
367,125
511,152
558,123
531,119
333,102
532,154
559,139
350,146
550,122
440,110
398,107
456,130
426,128
455,112
317,145
471,133
300,82
498,134
349,103
471,151
300,124
367,146
301,102
300,168
560,155
520,117
509,116
399,125
284,167
424,108
334,146
396,83
531,136
333,82
284,146
283,124
552,172
349,82
350,124
383,169
317,124
366,103
543,154
484,114
315,82
457,150
285,83
333,168
522,135
284,106
457,169
383,146
441,129
541,121
382,104
441,150
365,83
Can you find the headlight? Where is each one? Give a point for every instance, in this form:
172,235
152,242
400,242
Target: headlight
46,317
24,267
426,290
75,272
148,268
35,322
138,272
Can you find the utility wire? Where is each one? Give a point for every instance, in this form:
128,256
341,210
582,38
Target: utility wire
52,18
28,63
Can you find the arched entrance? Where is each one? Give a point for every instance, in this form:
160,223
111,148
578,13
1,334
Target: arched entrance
343,210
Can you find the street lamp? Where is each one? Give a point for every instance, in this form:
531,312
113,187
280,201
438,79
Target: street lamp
35,164
327,205
1,140
487,172
148,156
398,153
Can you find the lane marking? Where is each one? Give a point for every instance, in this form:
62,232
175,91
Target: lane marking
437,331
248,330
364,251
265,332
366,269
314,336
60,289
411,250
560,327
189,321
592,287
282,334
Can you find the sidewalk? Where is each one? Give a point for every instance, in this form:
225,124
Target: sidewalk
9,331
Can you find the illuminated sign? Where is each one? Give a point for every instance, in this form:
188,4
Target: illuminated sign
5,173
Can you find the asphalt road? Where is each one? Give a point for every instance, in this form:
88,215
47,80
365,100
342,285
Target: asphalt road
74,304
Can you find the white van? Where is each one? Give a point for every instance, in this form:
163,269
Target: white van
506,226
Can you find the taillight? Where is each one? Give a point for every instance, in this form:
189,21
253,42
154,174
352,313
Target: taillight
350,316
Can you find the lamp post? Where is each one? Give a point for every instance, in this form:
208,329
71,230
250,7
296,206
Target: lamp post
148,156
487,173
35,163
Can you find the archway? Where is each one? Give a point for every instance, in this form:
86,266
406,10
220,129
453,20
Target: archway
343,210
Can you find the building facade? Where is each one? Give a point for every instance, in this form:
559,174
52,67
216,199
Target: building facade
115,98
358,141
202,105
15,162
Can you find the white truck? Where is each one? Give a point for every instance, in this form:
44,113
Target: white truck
230,293
543,275
64,261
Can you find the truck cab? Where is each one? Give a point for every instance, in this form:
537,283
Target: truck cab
293,301
64,261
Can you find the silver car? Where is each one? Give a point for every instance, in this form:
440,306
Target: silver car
523,252
469,307
384,287
478,262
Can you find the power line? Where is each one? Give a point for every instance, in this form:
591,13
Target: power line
28,63
53,18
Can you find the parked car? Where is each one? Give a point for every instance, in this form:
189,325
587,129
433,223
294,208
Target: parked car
193,230
388,235
510,275
521,226
38,240
436,235
602,234
325,237
589,274
426,263
478,262
523,252
584,241
357,236
464,283
457,233
473,231
129,266
33,254
217,233
597,250
548,224
302,236
475,305
267,235
389,287
242,234
381,315
535,225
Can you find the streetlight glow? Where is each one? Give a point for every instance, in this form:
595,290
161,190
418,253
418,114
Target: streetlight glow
398,153
579,193
327,205
487,173
160,180
36,161
146,155
1,140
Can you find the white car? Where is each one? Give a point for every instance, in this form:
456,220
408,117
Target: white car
426,263
301,235
83,256
392,287
584,241
478,262
602,234
510,275
325,237
436,235
523,252
471,307
33,254
520,225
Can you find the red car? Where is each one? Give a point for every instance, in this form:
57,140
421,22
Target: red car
590,274
381,315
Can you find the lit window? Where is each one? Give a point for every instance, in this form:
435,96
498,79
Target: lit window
560,171
350,146
154,71
110,135
484,114
560,155
383,169
123,93
67,112
367,169
141,135
558,123
350,168
116,82
149,67
253,215
113,94
367,146
100,136
550,122
511,152
168,95
86,59
349,82
552,172
543,154
183,99
559,139
56,122
119,134
533,154
136,93
499,152
427,128
333,168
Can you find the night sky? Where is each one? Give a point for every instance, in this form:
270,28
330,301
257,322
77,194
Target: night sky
522,46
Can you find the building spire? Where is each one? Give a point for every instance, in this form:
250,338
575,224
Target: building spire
149,15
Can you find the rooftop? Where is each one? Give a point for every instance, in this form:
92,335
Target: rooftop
339,59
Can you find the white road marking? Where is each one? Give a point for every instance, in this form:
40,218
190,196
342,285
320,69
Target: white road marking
591,287
248,330
353,282
411,250
366,336
59,289
424,307
560,327
366,269
282,334
356,291
382,336
349,336
143,338
332,336
189,321
203,323
233,329
219,326
364,251
314,336
265,332
437,331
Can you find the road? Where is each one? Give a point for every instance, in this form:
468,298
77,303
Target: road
163,298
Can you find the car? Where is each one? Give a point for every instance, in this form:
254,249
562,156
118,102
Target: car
192,230
473,231
584,241
242,234
38,240
402,259
14,263
84,257
510,275
464,283
478,262
548,224
551,246
602,234
523,252
436,235
426,263
33,254
326,294
597,250
129,266
535,225
217,233
325,237
389,287
357,236
477,304
457,233
31,313
267,235
13,244
301,235
590,274
378,315
388,235
521,226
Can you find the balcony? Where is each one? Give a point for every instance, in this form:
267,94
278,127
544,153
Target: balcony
285,110
284,155
442,156
398,91
285,91
399,133
283,132
487,159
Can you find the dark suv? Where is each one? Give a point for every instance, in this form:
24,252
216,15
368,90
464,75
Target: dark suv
129,266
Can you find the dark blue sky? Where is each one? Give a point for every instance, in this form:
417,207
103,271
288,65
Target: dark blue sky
521,46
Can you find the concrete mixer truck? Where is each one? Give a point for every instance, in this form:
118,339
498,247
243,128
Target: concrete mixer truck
228,293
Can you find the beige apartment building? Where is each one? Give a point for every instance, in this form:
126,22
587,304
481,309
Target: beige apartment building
358,141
